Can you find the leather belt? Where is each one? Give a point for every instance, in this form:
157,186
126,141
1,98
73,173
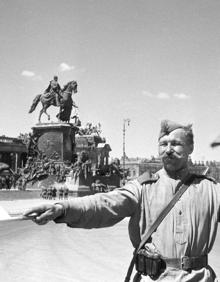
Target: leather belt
187,263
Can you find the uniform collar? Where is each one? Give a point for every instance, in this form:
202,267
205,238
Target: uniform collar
179,175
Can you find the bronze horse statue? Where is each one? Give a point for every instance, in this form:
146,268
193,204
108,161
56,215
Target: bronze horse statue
66,102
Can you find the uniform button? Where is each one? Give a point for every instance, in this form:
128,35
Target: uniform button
180,212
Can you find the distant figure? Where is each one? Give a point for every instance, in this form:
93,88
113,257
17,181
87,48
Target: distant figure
98,187
44,193
54,193
66,193
3,182
49,193
7,182
61,193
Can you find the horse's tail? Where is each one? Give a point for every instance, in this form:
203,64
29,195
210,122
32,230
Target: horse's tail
34,103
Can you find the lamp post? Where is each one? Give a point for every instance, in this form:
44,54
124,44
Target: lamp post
125,122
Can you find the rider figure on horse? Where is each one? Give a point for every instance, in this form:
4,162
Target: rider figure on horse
54,89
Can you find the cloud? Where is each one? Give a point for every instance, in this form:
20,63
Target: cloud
27,73
181,96
31,75
160,95
65,67
163,95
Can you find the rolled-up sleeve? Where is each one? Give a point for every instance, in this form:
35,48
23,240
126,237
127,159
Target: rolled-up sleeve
102,209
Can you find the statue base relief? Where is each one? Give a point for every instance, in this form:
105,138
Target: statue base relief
55,140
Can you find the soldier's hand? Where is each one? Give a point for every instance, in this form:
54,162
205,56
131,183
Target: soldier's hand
42,214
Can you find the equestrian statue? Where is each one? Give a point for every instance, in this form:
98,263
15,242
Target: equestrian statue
55,96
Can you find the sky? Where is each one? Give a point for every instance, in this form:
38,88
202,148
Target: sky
143,60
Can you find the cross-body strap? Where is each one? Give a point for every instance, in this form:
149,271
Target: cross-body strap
181,188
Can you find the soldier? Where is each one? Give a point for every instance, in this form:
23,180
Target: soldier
178,249
66,193
61,193
44,193
50,193
54,193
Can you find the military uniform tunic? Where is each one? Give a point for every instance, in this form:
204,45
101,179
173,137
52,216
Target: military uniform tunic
189,229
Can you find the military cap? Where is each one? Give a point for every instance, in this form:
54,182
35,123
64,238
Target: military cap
168,126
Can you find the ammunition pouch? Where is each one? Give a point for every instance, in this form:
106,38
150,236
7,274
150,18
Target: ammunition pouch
152,264
149,264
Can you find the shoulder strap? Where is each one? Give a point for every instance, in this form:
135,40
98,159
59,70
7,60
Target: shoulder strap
145,178
202,176
181,187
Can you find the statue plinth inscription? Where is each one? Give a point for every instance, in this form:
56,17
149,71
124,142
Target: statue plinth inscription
55,140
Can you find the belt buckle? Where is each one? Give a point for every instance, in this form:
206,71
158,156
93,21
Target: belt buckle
186,263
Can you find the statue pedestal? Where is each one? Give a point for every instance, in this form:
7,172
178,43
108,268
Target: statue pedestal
55,140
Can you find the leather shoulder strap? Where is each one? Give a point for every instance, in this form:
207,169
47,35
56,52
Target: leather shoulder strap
181,188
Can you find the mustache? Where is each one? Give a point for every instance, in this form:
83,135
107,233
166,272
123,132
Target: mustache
170,156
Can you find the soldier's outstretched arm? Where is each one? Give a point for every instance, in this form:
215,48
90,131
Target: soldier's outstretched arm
94,211
44,213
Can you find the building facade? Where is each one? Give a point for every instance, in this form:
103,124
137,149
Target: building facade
13,152
137,166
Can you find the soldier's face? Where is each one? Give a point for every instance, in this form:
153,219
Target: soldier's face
174,150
